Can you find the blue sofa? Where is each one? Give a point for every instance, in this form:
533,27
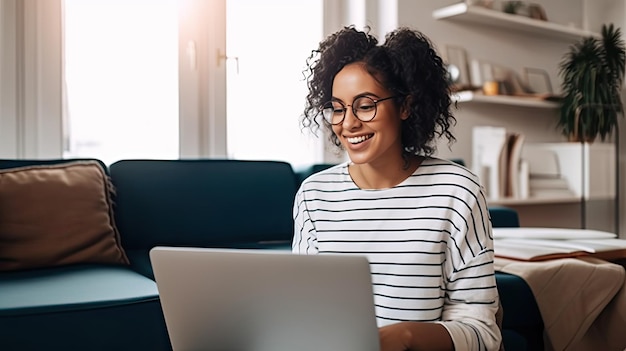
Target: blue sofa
206,203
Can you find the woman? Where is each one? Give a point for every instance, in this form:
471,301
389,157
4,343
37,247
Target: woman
421,221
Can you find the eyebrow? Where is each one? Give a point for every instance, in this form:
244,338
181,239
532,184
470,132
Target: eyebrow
366,93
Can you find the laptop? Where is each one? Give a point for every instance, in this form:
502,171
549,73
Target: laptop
265,300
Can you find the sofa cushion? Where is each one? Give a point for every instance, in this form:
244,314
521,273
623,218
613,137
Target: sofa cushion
70,288
203,202
57,214
81,307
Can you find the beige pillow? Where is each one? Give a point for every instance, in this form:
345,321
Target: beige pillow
52,215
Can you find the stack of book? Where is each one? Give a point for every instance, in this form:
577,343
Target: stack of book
545,179
542,186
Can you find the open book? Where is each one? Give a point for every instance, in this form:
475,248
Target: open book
538,244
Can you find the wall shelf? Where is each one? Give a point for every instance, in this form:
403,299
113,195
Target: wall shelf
519,101
463,12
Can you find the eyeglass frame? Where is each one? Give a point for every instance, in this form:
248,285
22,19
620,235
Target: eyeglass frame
345,108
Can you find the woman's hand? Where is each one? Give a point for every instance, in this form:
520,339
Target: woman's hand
394,337
407,336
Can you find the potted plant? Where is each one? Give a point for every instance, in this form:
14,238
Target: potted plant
592,73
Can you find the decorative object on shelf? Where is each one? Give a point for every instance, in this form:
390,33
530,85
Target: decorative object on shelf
491,87
453,74
536,11
532,10
512,7
490,77
480,72
512,83
458,68
538,80
534,84
482,3
592,72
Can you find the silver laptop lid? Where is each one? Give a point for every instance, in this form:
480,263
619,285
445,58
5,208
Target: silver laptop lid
261,300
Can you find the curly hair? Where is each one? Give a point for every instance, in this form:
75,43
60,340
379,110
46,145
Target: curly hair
406,64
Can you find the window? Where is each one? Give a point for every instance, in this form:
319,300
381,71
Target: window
122,79
268,43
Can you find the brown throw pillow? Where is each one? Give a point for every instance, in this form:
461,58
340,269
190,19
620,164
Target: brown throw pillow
52,215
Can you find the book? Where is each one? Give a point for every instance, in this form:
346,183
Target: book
488,145
497,160
557,182
542,162
543,186
524,175
551,193
539,244
512,177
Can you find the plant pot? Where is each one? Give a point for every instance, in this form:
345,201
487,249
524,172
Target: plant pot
581,138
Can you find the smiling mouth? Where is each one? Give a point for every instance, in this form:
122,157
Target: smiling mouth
359,139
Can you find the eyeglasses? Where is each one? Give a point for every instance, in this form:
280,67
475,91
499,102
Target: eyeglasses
363,107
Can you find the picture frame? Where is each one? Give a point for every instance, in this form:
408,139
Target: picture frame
538,80
457,57
537,12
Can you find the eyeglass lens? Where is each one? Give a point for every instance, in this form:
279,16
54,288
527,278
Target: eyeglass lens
364,108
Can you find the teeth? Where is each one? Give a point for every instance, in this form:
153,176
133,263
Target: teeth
358,139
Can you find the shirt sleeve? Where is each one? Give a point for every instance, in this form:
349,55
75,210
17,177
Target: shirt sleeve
304,238
472,299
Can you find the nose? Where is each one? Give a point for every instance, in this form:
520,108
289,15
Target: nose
350,120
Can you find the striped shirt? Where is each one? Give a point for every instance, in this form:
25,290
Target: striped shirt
428,241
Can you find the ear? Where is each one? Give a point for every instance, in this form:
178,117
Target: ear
406,108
